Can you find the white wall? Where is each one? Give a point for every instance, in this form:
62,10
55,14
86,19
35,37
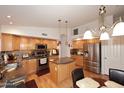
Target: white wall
52,33
94,25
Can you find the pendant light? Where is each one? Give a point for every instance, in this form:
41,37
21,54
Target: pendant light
66,32
88,35
59,28
104,36
118,29
102,29
103,32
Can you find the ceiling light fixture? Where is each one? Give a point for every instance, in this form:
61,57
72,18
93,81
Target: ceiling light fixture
104,35
8,16
59,28
66,32
117,27
88,35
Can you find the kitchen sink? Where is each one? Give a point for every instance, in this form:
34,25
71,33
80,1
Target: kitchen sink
11,67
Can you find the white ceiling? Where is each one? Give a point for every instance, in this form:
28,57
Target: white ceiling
47,15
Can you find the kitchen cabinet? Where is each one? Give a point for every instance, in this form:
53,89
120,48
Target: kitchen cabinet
78,60
77,44
16,42
52,44
53,72
31,44
37,41
41,41
61,72
24,66
6,42
44,41
30,66
24,43
13,42
49,44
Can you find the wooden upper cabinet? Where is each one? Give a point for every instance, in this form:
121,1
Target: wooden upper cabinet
44,41
54,44
16,42
41,41
13,42
77,44
37,41
6,42
24,43
32,43
51,44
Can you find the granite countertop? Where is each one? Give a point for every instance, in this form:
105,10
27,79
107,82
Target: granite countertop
16,73
19,71
62,60
21,59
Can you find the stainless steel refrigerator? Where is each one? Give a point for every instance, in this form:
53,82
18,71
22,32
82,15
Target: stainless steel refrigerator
92,57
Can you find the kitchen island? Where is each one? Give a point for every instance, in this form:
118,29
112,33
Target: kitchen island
61,68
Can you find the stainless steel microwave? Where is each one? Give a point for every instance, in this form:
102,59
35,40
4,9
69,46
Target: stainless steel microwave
41,46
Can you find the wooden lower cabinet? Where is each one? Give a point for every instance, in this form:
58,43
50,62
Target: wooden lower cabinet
78,60
30,66
61,72
53,72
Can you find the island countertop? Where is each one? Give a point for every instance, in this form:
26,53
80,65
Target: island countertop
62,60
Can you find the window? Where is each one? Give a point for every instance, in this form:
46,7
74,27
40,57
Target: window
75,31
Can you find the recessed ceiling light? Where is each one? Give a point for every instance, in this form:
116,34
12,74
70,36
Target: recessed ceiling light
8,16
10,23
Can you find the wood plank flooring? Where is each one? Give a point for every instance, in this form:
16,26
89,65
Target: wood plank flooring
44,81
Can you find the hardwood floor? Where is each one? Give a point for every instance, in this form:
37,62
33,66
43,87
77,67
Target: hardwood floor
44,81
